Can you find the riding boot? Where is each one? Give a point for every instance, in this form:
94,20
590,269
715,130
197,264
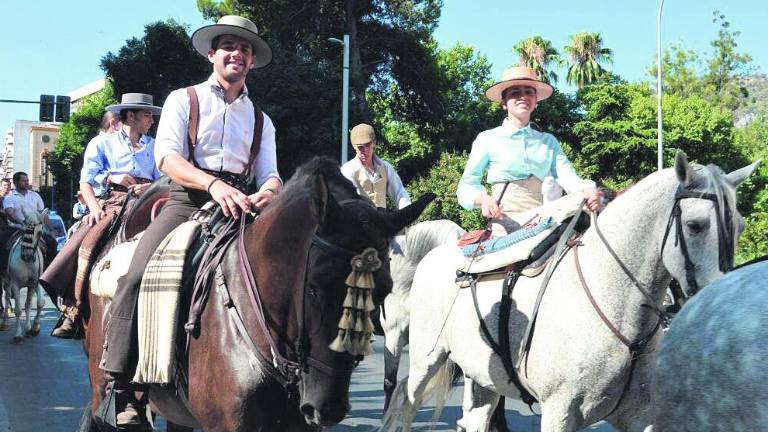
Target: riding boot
120,410
69,327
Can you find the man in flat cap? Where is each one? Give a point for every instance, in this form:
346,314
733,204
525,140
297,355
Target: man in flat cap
373,177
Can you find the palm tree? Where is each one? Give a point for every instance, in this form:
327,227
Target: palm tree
586,52
537,53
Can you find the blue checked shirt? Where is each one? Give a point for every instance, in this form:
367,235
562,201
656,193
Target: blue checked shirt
112,154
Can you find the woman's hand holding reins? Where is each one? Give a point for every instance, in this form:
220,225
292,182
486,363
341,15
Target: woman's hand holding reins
489,207
231,200
261,199
594,199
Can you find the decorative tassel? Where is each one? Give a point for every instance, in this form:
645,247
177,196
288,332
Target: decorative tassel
359,325
368,325
369,306
367,347
360,301
345,322
349,300
348,341
338,343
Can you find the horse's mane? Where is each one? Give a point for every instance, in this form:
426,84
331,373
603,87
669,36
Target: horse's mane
423,237
319,165
712,179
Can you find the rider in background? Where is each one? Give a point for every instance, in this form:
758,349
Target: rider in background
218,167
518,155
374,178
114,164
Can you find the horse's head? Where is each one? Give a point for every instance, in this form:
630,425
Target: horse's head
33,229
337,300
704,224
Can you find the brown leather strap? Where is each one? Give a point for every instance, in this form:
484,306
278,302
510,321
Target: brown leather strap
599,311
258,129
194,117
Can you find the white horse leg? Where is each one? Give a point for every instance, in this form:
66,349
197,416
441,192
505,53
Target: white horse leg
40,305
478,406
18,336
393,346
4,302
558,416
28,311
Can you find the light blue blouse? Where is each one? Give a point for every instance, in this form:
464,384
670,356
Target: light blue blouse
112,154
511,154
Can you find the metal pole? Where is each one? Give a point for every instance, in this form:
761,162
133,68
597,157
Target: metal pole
660,144
345,102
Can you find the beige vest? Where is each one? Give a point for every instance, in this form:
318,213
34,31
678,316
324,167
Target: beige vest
376,191
520,196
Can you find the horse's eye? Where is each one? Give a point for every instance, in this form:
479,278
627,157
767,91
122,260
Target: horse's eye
695,227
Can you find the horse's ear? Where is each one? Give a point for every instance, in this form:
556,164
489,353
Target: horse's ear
735,178
397,220
320,197
682,169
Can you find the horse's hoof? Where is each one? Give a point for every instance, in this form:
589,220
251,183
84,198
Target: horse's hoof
18,339
4,327
33,332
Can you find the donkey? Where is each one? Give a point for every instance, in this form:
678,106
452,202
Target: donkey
710,370
679,222
275,370
25,264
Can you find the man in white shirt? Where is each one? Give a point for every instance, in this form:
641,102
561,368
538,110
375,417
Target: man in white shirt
234,143
21,201
373,177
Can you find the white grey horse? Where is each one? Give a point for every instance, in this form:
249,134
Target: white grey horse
406,250
25,265
576,367
710,372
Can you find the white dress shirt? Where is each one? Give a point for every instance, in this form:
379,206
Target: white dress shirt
224,132
14,202
395,189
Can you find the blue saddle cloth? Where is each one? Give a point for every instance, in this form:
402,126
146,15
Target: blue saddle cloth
497,244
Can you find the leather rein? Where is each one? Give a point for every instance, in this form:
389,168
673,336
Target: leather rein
286,371
725,263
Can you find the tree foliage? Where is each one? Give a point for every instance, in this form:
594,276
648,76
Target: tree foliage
158,63
586,54
538,53
67,157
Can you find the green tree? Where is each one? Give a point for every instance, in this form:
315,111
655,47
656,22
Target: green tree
539,54
442,180
161,61
727,66
67,157
386,39
753,194
681,72
586,53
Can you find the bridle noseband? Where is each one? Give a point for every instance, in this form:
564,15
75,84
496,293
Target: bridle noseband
725,238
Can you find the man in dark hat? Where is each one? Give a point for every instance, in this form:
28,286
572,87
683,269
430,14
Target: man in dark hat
114,164
234,144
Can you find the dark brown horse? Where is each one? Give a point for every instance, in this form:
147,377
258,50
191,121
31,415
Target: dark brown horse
299,251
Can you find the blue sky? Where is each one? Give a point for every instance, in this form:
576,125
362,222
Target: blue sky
54,46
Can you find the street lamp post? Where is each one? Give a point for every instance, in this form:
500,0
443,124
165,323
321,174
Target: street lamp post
659,131
344,97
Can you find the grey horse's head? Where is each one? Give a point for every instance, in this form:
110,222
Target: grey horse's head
704,225
33,229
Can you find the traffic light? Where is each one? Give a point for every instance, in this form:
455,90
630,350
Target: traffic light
62,109
46,108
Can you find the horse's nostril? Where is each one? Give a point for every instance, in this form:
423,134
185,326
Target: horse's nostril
309,413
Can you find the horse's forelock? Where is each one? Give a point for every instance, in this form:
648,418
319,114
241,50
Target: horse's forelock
423,237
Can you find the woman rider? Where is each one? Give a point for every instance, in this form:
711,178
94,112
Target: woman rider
517,155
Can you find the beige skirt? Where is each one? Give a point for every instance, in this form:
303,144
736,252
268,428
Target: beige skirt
520,196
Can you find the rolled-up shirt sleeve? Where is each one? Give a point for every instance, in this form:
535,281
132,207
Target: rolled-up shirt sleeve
565,174
265,165
470,184
94,169
172,130
397,192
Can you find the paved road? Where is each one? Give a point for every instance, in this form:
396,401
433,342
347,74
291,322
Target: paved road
44,387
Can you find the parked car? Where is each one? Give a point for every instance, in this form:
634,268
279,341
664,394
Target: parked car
57,228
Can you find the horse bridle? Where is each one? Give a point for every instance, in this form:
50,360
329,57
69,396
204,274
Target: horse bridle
725,237
289,372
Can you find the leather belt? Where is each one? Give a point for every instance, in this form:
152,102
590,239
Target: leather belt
237,181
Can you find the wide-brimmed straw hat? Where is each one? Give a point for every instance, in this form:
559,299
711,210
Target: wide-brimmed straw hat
135,101
238,26
519,76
